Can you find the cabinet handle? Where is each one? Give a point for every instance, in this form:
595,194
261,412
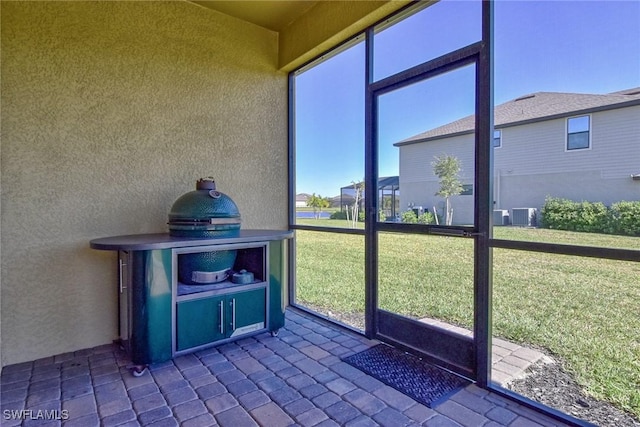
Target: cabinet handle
221,317
120,264
233,314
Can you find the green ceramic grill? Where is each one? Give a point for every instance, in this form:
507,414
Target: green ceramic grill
205,213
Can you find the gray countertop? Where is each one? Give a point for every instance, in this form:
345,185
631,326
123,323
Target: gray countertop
143,242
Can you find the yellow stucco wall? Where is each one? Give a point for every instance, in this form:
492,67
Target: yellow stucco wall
110,111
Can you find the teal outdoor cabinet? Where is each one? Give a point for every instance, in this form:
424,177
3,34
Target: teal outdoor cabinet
219,317
161,317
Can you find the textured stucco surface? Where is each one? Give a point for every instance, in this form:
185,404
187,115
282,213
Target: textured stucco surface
110,111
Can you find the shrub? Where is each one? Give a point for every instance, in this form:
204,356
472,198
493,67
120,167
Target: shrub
592,217
426,218
559,214
624,218
338,215
409,217
620,218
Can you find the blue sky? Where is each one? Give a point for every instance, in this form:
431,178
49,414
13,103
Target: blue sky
555,46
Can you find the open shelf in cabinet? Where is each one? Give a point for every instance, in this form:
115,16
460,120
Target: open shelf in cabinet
251,258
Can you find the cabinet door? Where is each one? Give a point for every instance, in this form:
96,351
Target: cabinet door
200,322
248,312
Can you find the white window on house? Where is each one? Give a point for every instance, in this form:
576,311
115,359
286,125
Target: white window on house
578,132
497,138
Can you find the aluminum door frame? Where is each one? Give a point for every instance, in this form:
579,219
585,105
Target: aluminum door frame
467,356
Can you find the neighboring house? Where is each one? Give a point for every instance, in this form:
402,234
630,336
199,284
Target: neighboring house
336,201
568,145
301,200
388,196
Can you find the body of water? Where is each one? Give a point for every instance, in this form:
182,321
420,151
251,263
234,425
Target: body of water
306,214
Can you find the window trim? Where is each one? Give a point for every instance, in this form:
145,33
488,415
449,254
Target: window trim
499,138
566,133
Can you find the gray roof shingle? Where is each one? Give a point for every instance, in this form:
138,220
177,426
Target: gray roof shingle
534,107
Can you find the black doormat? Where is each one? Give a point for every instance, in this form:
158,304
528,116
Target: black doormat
426,383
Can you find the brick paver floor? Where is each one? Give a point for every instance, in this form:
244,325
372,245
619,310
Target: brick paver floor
509,360
294,379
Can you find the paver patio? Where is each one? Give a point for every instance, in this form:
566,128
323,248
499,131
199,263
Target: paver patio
294,379
509,360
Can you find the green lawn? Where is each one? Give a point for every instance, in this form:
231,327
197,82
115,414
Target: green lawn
583,310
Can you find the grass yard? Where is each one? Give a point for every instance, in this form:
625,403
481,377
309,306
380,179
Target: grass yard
583,310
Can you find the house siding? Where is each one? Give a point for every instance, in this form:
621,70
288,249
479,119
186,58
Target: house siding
533,163
540,148
418,183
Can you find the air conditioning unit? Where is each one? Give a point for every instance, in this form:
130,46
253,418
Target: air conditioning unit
500,217
523,217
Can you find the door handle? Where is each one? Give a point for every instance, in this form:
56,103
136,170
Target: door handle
221,317
444,231
233,314
120,274
447,231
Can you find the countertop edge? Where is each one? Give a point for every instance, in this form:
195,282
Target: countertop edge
142,242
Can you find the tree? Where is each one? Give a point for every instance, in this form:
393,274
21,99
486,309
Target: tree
318,203
358,187
447,169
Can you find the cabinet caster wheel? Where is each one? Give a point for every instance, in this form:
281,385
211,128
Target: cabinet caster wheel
138,371
275,333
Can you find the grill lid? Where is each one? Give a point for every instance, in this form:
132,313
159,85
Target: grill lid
204,209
